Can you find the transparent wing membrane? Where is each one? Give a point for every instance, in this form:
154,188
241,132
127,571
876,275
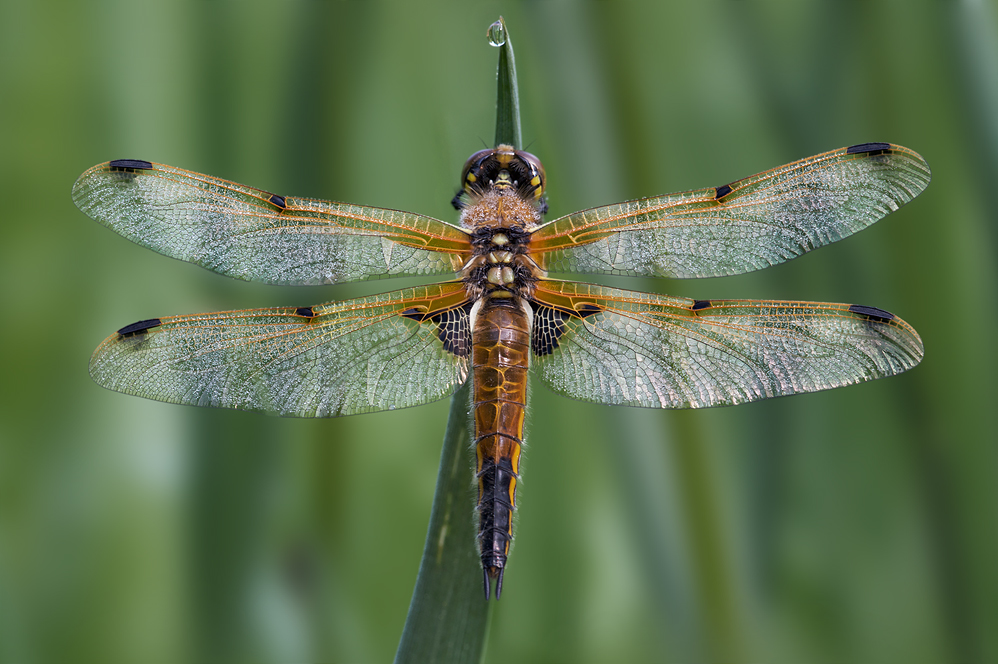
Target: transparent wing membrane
254,235
592,343
639,349
746,225
333,359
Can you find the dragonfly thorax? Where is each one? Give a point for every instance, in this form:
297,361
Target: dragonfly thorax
500,265
500,207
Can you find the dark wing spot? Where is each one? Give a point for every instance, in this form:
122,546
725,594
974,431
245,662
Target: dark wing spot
549,325
454,329
453,326
129,165
414,314
872,312
721,192
278,201
141,326
869,148
701,304
307,312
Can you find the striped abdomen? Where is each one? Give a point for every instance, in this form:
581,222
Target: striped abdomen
500,355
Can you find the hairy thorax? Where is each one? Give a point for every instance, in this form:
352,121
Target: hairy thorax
501,222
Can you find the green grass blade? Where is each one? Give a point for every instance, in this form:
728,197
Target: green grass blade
507,98
448,616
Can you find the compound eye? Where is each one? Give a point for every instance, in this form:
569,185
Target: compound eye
473,163
538,178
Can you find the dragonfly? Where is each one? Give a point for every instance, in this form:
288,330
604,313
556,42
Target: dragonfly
499,317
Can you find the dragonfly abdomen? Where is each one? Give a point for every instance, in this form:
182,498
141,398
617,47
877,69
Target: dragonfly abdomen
500,356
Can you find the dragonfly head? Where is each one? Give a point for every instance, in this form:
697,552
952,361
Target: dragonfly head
503,167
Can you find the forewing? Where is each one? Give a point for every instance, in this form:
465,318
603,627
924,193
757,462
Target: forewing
638,349
382,352
252,234
742,226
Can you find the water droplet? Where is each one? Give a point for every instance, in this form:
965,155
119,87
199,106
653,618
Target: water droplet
496,33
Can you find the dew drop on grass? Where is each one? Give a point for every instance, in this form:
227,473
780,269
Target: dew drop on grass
496,33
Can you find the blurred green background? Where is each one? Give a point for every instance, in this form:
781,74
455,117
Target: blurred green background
854,525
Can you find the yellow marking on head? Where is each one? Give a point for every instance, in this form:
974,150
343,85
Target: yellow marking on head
504,154
535,181
471,177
